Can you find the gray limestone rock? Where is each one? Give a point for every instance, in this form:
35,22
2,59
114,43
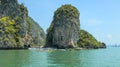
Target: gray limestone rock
64,30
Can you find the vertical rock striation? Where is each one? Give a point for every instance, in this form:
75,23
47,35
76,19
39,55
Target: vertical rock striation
64,29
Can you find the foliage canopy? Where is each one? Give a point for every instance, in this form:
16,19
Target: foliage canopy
86,40
66,11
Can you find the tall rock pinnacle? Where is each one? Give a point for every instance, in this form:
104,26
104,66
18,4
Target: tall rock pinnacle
64,29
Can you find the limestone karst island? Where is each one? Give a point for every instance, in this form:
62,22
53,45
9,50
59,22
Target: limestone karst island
18,30
59,33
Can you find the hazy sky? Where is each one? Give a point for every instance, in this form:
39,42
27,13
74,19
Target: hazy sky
99,17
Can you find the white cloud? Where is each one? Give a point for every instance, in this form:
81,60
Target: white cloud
93,22
109,37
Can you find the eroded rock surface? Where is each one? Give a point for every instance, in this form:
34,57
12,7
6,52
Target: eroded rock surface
64,29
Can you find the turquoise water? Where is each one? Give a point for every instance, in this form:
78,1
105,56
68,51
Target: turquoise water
109,57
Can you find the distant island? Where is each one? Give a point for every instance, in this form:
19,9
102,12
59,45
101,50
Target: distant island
19,31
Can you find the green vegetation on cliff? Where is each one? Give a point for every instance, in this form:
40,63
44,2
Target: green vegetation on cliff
86,40
66,11
8,25
17,29
8,33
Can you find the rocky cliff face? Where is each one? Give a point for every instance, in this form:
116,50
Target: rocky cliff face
9,8
38,35
16,29
64,29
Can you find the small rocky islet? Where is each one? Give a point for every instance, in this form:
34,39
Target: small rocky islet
64,31
19,31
